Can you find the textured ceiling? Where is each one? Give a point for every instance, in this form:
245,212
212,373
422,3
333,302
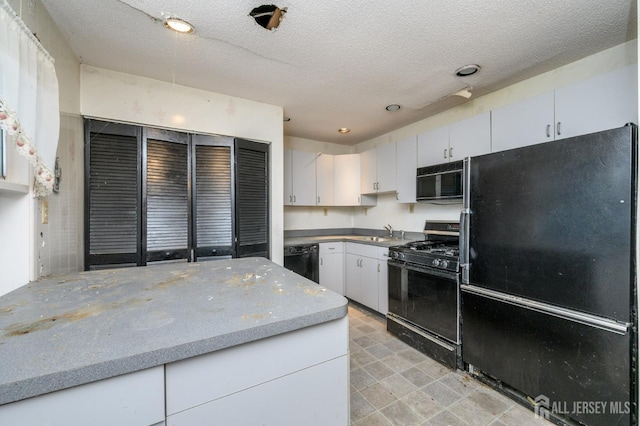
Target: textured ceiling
335,64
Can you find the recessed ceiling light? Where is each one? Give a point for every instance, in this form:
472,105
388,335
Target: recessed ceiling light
344,130
467,70
179,25
393,107
286,119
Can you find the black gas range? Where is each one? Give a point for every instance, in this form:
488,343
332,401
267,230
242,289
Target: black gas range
435,254
424,293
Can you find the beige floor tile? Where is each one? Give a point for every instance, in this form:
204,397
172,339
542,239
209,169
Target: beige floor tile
399,414
379,370
398,385
378,395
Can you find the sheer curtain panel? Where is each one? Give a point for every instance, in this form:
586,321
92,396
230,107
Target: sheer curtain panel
29,106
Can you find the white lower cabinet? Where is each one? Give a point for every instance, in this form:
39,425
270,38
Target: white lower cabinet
331,269
300,377
366,275
131,399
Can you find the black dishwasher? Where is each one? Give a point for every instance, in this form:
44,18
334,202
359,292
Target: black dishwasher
303,260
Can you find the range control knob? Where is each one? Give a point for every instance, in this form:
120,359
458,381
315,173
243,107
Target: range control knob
402,256
443,264
393,255
435,262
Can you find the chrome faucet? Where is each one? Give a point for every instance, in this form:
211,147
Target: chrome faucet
390,229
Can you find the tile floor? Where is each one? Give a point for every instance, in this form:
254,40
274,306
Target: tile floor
394,384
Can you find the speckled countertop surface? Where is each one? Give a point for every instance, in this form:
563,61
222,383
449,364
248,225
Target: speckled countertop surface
69,330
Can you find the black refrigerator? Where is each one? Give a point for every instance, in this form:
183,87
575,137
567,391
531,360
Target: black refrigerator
549,275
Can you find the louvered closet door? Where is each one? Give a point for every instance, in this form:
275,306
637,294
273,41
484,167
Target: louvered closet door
167,196
213,199
252,198
112,208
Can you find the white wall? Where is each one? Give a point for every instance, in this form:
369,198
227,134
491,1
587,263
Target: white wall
309,145
123,97
28,248
399,216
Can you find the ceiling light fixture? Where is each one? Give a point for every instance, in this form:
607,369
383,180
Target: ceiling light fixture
344,130
393,107
467,70
178,25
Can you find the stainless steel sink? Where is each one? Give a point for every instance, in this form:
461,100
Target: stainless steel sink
374,239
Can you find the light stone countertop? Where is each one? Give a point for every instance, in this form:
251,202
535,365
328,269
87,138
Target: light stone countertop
381,242
68,330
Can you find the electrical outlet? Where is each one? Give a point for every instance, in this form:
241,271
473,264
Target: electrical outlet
326,212
410,208
45,211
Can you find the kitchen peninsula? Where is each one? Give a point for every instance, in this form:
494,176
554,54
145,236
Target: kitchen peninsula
240,341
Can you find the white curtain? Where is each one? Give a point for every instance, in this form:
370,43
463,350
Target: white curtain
29,105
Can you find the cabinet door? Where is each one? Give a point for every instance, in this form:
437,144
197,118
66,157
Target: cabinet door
324,180
252,198
369,282
353,287
600,103
332,272
470,137
433,147
288,177
386,168
523,123
368,178
406,165
304,178
167,224
346,182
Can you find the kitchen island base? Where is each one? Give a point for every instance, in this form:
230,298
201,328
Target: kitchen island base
240,341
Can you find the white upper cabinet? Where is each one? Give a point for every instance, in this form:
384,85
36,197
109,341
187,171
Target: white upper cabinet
464,138
406,165
433,147
378,169
346,182
300,178
523,123
386,168
600,103
470,137
324,180
368,176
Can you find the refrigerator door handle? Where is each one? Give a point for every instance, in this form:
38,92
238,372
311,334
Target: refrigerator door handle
464,245
544,308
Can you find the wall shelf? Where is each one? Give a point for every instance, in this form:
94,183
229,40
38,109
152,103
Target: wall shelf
12,187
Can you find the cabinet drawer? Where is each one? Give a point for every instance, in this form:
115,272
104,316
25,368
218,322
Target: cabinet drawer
365,250
205,378
330,248
131,399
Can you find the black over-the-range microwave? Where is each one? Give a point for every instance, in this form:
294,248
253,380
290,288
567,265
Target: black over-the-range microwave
441,183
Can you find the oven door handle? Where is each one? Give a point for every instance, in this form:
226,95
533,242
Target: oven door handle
426,270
